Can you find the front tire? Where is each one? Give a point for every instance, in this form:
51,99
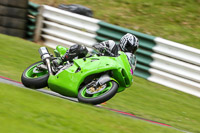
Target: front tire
33,78
109,90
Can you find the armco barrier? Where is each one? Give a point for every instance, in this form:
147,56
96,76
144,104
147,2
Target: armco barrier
174,82
70,19
159,60
177,50
68,33
114,32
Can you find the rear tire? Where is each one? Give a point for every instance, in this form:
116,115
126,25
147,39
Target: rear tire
82,96
30,81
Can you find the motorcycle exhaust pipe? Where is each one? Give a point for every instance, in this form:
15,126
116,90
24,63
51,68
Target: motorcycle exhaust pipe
45,56
44,53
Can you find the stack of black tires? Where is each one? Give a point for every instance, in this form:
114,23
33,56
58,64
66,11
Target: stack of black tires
13,17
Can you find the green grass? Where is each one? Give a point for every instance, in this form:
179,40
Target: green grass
144,99
15,55
153,101
176,20
29,111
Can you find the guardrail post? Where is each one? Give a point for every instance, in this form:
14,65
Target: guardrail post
39,24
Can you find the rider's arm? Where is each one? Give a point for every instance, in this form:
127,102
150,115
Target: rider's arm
107,48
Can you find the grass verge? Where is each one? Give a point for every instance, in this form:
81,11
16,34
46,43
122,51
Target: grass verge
16,55
30,111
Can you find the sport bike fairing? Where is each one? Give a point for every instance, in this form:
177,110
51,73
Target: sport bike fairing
67,81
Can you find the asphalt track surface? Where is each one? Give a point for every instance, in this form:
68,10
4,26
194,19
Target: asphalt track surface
48,92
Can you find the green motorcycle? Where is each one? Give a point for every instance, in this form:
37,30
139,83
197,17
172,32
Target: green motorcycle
93,79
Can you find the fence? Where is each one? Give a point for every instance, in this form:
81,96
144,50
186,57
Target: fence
162,61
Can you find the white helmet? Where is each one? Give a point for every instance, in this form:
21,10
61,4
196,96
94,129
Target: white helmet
129,43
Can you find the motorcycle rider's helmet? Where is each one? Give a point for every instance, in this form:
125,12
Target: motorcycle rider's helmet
129,43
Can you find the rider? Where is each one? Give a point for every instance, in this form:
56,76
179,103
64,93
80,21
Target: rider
128,44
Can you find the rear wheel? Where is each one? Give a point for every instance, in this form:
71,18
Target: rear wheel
34,78
99,95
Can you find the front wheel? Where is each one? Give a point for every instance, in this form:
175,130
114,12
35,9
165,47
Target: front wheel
34,78
99,95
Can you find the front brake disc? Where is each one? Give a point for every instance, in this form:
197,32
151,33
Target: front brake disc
93,90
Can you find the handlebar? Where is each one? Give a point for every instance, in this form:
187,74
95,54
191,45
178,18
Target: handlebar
101,49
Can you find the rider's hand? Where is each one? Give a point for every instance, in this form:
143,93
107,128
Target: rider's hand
103,49
99,47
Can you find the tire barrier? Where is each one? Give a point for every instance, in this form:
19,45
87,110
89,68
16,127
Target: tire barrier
13,32
15,3
13,17
15,23
13,12
76,8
